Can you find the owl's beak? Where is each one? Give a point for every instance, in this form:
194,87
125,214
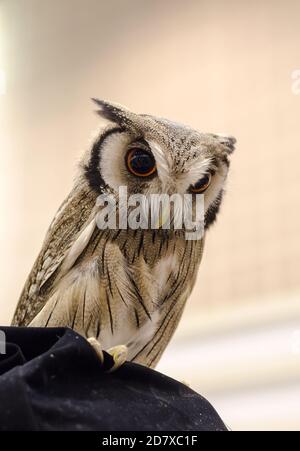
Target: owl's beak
164,218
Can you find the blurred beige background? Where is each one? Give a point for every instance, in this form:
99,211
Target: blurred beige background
218,66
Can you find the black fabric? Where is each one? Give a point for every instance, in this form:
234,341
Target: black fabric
52,379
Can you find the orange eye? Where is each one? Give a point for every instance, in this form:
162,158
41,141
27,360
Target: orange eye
201,185
140,162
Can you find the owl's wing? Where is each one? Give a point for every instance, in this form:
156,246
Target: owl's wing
66,239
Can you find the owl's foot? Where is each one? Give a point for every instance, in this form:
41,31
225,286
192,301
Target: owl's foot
119,353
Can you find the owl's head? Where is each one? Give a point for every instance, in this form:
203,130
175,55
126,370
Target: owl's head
152,155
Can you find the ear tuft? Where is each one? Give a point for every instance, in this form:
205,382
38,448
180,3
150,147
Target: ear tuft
112,112
227,141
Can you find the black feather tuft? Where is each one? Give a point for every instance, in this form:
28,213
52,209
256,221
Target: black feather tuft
111,112
213,210
92,169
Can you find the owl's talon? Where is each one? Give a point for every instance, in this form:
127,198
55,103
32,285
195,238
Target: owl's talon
119,354
97,348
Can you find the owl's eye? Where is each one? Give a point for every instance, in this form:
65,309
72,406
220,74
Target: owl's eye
201,185
140,162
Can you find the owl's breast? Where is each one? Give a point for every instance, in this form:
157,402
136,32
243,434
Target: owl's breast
157,294
146,285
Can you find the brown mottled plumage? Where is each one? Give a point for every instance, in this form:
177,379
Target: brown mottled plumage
125,286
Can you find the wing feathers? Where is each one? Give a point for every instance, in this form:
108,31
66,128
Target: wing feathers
74,221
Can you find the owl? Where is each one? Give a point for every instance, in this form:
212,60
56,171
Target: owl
126,286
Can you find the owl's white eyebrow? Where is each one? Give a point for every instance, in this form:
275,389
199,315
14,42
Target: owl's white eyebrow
163,167
200,168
